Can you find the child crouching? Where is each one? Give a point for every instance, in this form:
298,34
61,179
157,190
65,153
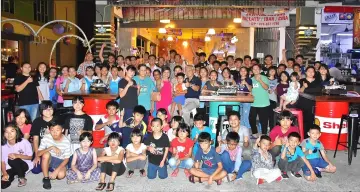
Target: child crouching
212,168
136,153
262,164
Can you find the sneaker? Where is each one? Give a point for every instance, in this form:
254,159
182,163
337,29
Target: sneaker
284,175
22,182
280,178
46,183
260,181
297,174
317,173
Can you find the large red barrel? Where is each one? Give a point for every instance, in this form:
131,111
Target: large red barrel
96,108
328,116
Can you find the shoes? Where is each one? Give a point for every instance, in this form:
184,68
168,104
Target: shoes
317,173
260,181
46,183
297,174
22,182
280,178
284,175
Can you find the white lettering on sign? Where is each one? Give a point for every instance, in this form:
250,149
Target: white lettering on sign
331,125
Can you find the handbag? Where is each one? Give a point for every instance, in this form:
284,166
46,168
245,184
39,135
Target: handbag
155,96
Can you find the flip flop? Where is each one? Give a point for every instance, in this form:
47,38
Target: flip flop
142,173
175,172
187,173
100,186
130,173
110,186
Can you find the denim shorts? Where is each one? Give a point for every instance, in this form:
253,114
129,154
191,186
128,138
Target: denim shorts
317,162
55,162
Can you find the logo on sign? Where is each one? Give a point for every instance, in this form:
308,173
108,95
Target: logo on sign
330,17
330,125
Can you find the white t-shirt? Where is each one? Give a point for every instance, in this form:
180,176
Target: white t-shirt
171,134
109,153
138,151
44,88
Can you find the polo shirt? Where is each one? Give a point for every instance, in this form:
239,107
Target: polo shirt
190,92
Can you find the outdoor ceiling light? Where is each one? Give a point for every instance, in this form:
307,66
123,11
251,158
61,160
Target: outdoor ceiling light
165,21
237,20
162,30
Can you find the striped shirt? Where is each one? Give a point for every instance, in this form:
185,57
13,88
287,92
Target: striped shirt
64,146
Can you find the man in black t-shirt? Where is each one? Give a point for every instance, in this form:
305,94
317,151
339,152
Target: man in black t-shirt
128,91
28,91
192,95
11,68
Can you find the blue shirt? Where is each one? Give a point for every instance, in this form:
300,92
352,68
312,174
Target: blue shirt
292,157
190,92
114,85
210,160
243,88
75,85
202,104
195,132
114,127
147,86
53,94
315,149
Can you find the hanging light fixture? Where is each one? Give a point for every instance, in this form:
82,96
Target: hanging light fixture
170,38
211,31
237,20
165,21
162,30
207,38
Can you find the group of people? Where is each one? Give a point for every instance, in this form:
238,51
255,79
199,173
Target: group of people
151,123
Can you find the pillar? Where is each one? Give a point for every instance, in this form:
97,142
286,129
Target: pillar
281,42
252,42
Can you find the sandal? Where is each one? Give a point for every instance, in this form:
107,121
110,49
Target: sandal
187,173
142,173
130,173
22,182
192,179
175,172
218,182
110,186
100,186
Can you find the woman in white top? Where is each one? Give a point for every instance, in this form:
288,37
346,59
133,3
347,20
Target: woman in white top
43,79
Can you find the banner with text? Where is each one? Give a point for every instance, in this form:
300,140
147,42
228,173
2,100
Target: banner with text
265,20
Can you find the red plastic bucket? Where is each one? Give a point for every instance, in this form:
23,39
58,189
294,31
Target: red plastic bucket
328,116
96,108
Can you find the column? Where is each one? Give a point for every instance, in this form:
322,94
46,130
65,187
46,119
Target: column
281,41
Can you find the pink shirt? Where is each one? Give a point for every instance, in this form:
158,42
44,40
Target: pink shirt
276,131
23,147
26,129
59,81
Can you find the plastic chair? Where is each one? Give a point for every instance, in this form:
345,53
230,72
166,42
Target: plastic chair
299,115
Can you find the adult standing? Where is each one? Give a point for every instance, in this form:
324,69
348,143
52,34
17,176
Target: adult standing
43,78
59,85
336,72
193,85
88,61
268,62
165,91
309,85
260,106
152,65
11,68
147,87
128,92
28,89
71,84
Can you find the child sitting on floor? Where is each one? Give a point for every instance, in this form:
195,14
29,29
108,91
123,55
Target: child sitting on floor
136,153
212,168
84,162
55,151
231,157
262,163
181,148
23,121
315,153
158,147
111,162
16,157
174,124
293,159
136,121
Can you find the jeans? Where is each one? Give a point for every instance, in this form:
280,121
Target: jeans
146,118
154,169
184,164
128,113
244,114
229,165
32,109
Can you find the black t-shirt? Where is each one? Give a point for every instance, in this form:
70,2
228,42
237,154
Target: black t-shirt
313,88
75,123
235,74
159,145
29,95
11,69
190,92
39,127
130,100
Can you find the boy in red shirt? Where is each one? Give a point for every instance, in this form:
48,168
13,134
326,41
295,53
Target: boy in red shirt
181,148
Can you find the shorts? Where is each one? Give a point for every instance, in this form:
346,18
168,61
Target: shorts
208,171
55,162
317,162
179,99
